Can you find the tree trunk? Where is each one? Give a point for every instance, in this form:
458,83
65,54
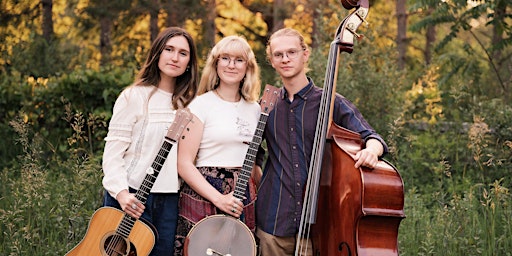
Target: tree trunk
279,14
401,35
430,38
105,43
317,6
154,9
210,29
497,38
497,29
172,13
178,11
47,19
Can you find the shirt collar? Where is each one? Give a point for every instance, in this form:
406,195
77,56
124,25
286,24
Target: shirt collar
303,93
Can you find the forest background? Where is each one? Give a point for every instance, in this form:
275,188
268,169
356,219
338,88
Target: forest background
433,77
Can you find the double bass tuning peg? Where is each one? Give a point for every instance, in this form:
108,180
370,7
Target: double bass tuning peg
351,28
361,13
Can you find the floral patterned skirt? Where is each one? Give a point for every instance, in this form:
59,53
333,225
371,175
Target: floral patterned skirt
193,207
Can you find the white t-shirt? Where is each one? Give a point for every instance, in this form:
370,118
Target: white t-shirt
228,129
134,140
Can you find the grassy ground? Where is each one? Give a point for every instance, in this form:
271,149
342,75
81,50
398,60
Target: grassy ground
45,207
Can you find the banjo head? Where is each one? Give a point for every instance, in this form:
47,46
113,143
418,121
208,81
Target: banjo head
220,235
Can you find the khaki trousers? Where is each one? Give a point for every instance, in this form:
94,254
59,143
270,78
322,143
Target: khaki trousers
270,245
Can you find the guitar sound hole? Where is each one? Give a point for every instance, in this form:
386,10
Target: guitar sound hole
116,245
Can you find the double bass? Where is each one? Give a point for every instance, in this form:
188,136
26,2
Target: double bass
347,211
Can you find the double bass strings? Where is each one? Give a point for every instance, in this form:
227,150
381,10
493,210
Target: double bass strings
309,207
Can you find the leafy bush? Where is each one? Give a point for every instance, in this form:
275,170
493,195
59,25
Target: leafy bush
45,104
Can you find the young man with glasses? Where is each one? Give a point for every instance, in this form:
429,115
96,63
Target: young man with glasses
289,134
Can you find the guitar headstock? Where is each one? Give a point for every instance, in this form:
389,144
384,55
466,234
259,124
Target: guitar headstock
269,98
181,120
348,27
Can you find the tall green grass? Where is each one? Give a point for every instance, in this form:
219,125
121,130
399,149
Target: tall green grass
475,222
46,203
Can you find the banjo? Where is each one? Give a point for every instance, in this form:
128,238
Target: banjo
223,234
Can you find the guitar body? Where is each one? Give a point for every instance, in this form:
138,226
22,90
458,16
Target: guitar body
220,235
101,233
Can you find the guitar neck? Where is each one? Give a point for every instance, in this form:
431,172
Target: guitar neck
152,172
250,158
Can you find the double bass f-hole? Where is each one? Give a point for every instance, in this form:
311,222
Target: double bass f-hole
343,245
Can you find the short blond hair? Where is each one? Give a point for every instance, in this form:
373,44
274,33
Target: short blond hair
285,32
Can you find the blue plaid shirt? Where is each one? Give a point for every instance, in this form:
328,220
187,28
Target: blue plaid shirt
290,134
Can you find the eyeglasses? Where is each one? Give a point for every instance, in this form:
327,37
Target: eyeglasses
226,60
291,54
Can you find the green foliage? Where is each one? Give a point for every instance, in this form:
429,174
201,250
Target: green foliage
89,93
372,83
46,105
43,58
368,77
476,221
46,203
10,102
474,36
450,155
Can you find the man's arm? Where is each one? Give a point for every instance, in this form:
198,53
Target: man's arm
369,156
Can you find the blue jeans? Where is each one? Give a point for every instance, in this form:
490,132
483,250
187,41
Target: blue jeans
162,212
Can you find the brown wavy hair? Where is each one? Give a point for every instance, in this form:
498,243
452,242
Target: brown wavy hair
186,84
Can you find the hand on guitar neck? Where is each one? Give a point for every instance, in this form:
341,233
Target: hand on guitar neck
130,204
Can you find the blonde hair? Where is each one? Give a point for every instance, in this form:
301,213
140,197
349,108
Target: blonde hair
237,46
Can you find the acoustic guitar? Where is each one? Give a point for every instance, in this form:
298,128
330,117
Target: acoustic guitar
112,232
223,234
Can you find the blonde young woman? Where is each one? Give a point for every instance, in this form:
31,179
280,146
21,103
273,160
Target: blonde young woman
210,157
